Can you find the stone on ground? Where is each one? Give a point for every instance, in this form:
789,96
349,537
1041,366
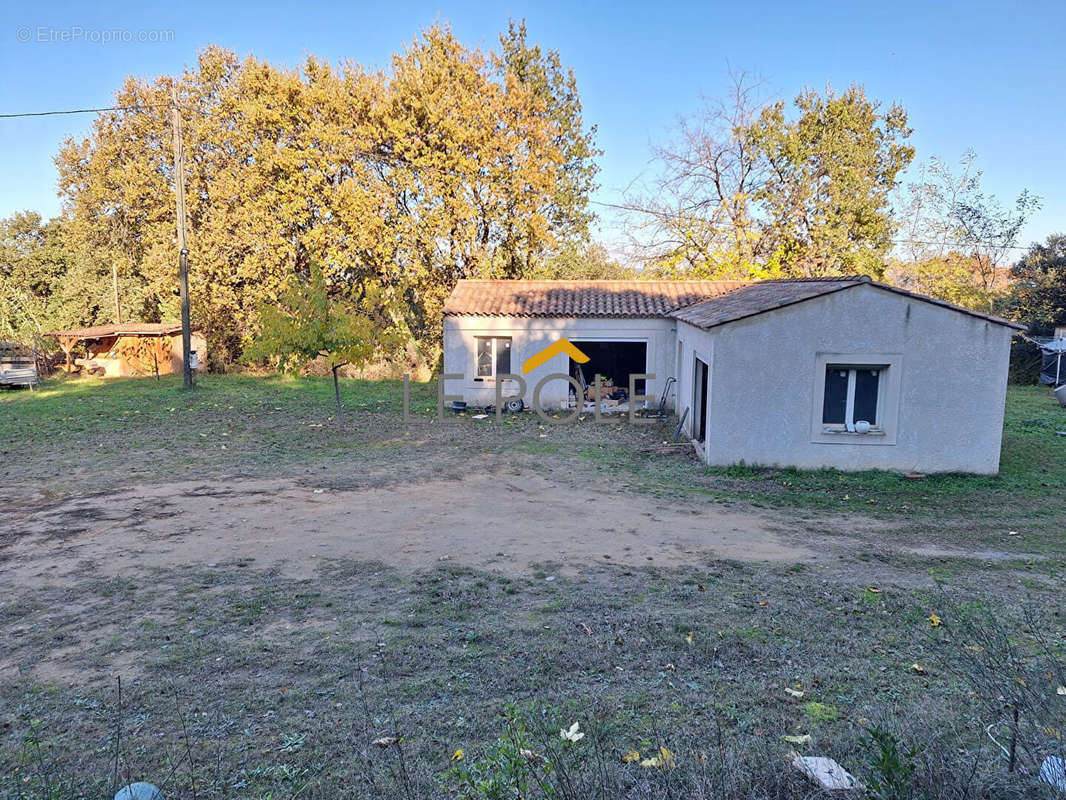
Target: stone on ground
139,791
826,773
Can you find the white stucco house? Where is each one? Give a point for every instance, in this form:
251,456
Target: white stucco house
837,372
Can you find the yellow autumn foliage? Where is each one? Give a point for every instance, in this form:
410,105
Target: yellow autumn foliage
452,162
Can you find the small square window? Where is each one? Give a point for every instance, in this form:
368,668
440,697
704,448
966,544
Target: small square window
493,356
851,396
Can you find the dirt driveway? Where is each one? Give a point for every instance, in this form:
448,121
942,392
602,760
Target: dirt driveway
509,524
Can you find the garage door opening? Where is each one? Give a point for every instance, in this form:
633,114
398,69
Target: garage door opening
612,361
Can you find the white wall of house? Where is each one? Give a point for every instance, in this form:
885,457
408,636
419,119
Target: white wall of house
942,398
530,335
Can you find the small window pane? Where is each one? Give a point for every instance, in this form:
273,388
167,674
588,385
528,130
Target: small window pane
484,357
835,402
866,381
503,356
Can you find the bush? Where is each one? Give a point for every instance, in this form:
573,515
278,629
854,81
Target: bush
1025,358
890,769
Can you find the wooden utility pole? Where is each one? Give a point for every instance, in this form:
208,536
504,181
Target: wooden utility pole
114,286
183,249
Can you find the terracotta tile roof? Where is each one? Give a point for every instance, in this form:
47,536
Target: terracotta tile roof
758,298
123,329
633,298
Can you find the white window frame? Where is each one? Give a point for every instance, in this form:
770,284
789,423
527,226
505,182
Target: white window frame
849,404
888,398
495,343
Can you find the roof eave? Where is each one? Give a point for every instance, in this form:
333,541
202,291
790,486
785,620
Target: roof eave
867,282
81,334
761,311
951,306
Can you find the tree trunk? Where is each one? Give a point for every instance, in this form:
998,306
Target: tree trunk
337,392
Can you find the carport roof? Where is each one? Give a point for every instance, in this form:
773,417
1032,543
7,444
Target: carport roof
758,298
122,329
633,298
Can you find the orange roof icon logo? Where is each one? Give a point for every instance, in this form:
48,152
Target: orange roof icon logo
552,350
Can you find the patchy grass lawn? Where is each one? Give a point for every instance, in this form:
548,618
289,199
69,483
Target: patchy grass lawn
1032,473
239,680
83,428
86,425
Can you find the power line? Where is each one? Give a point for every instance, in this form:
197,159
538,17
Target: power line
80,111
949,244
651,213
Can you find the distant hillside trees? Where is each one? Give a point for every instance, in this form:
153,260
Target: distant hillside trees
584,262
957,241
953,277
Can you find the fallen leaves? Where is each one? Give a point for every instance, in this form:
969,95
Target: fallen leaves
663,760
574,733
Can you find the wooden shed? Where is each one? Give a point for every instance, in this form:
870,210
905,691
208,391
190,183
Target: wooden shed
130,348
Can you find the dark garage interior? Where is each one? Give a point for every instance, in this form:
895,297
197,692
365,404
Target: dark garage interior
614,361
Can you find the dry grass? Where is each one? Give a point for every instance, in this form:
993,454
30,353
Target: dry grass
258,686
240,682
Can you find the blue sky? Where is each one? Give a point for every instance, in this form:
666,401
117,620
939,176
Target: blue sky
990,76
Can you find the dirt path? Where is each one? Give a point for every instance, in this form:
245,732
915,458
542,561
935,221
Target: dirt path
505,523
